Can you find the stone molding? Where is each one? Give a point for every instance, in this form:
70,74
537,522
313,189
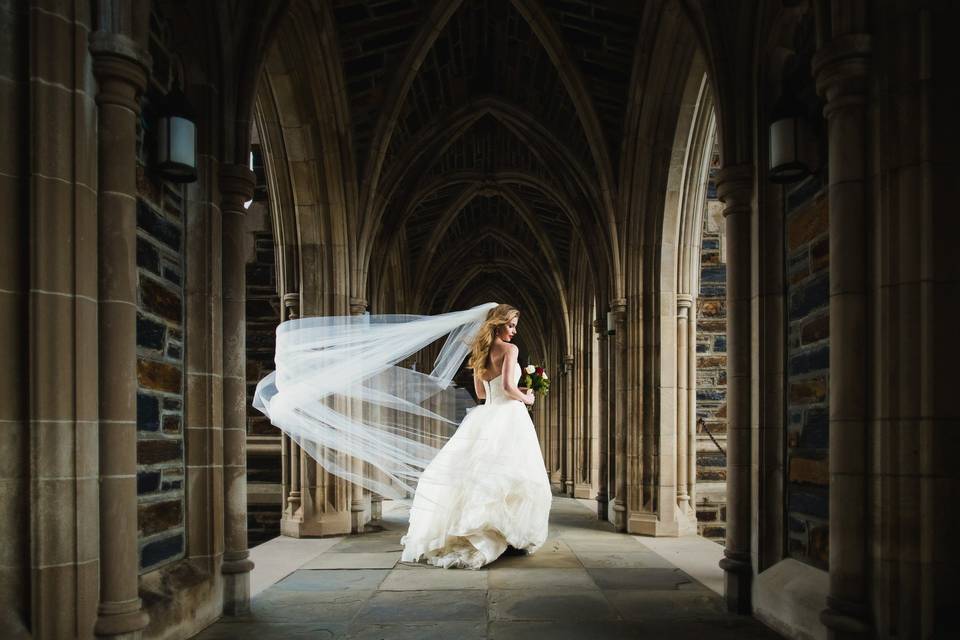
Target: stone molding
735,188
841,70
236,186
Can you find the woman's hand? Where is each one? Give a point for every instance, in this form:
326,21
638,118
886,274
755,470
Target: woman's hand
528,397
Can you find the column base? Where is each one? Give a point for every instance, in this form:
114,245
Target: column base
337,523
649,524
602,507
121,620
236,593
568,487
358,512
738,576
555,482
376,508
619,515
844,621
583,491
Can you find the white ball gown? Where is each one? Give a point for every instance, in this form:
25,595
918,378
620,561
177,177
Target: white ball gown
487,488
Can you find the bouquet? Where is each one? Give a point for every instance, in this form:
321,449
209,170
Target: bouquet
535,378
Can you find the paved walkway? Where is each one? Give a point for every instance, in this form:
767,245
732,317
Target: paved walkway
586,582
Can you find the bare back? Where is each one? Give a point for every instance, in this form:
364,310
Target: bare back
498,351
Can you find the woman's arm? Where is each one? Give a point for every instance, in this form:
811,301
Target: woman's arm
478,387
509,385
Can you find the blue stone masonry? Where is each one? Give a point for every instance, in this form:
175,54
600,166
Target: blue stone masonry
160,323
711,371
808,363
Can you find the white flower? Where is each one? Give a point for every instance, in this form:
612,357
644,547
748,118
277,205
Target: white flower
544,376
530,369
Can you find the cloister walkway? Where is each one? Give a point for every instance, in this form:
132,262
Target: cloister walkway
586,582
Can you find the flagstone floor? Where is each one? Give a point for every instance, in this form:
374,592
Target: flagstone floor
586,582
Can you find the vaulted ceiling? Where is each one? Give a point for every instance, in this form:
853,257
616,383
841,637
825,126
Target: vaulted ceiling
486,135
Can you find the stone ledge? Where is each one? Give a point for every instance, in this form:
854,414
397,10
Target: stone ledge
789,597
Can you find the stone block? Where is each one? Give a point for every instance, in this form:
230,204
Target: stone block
807,223
621,559
713,309
808,502
714,533
148,412
172,423
712,326
159,299
644,605
808,391
810,361
147,481
159,376
158,551
147,256
158,227
541,579
154,517
332,580
808,470
150,333
157,451
568,606
425,606
809,297
815,329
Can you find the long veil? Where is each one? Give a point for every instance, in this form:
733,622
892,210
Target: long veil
340,393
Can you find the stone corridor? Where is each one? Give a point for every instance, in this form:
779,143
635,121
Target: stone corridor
586,582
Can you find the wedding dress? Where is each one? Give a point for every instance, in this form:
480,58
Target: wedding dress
487,488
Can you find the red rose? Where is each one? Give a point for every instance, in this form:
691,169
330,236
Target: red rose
539,371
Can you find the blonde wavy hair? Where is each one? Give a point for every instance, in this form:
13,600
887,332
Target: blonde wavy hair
497,319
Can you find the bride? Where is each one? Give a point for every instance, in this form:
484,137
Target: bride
340,394
487,487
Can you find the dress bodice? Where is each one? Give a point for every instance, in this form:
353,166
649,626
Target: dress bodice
494,388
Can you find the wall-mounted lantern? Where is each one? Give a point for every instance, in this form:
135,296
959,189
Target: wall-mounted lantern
790,139
176,139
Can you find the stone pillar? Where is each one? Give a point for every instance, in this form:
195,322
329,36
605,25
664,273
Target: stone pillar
121,71
735,189
358,503
692,408
620,422
684,302
291,512
603,492
841,71
236,187
569,424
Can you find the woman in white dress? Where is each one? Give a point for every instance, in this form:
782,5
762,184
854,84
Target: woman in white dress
487,488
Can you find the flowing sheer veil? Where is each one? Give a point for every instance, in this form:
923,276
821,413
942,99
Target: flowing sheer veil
339,392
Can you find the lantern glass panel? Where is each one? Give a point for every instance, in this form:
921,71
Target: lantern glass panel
183,137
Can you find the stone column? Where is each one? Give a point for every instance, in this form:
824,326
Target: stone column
358,504
236,187
841,71
620,422
291,302
602,441
735,189
692,408
569,423
121,71
684,302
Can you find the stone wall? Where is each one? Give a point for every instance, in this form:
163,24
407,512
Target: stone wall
712,373
160,455
263,307
808,361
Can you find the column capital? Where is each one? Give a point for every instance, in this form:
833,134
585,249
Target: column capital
236,186
618,305
600,328
357,306
291,302
684,301
735,188
841,70
121,68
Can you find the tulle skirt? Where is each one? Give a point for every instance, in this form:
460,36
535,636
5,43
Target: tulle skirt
487,488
